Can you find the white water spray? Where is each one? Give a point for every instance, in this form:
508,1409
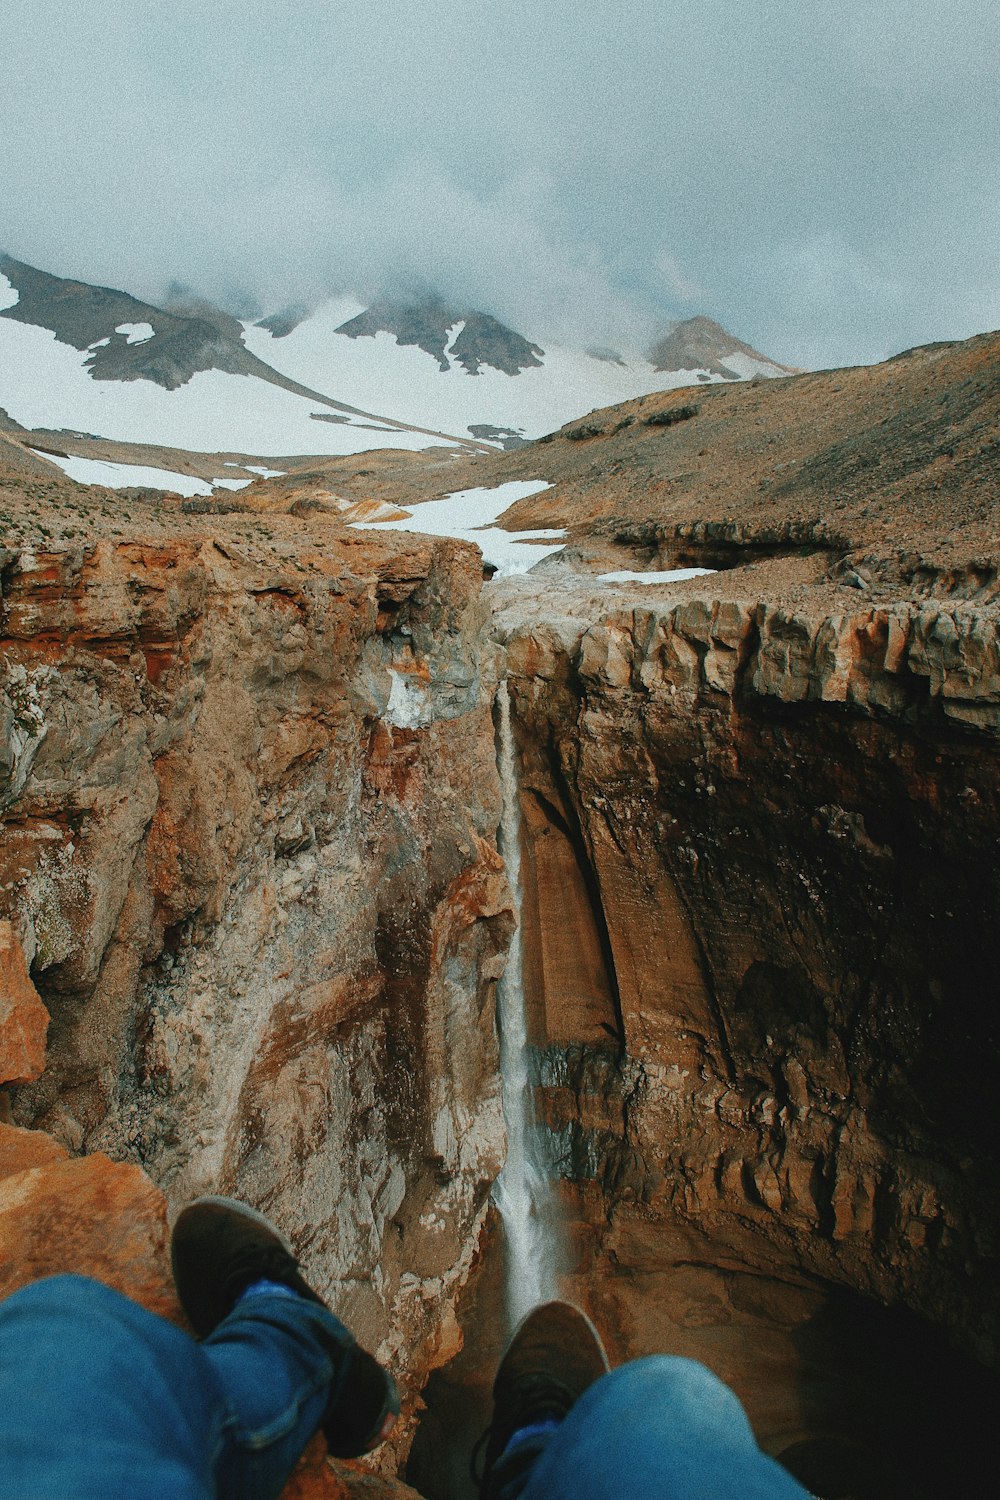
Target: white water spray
523,1191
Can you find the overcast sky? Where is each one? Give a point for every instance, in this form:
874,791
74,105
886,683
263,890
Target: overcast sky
821,176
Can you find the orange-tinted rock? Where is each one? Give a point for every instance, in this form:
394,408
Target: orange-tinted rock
99,1218
21,1150
255,838
314,1478
317,1477
90,1216
23,1018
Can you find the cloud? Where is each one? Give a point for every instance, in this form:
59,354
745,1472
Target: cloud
821,177
679,285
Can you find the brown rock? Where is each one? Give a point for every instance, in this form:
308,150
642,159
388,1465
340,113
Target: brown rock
90,1216
317,1477
21,1150
23,1018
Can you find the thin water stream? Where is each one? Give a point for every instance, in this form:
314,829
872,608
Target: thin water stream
523,1191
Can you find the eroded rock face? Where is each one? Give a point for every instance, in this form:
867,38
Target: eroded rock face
251,804
759,905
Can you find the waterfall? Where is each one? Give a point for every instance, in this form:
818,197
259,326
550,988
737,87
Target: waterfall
523,1191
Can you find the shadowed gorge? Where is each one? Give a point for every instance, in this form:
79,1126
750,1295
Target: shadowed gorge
794,1132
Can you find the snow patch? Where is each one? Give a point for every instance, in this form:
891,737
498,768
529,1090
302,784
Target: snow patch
122,476
468,514
9,295
746,367
136,333
408,706
231,484
264,473
672,575
377,373
44,383
101,344
453,335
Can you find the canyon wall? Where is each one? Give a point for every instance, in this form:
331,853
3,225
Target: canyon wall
250,803
761,889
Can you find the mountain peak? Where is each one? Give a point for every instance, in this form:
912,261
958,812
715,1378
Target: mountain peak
430,325
699,343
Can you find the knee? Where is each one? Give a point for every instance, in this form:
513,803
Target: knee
678,1391
63,1291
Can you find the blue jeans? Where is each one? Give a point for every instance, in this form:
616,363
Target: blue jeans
102,1400
663,1427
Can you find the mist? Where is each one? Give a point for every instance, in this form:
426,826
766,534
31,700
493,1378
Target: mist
821,178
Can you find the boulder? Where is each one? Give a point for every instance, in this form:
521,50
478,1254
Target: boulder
23,1018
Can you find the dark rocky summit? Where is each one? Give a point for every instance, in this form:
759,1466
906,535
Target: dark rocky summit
427,325
701,344
84,316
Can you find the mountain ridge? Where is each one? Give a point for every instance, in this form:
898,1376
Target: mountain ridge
81,358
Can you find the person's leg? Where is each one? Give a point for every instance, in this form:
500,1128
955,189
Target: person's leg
101,1400
282,1357
282,1363
660,1426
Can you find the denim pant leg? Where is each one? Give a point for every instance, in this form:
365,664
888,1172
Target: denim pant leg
661,1426
275,1358
102,1400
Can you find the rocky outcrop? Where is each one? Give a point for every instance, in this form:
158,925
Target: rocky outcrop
250,803
430,325
775,820
700,344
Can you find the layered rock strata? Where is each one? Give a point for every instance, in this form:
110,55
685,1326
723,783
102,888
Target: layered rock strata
761,889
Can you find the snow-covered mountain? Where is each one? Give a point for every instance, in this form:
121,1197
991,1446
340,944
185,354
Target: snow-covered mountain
341,378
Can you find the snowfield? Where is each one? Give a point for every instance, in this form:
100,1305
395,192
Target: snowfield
231,484
405,381
469,514
122,476
672,575
9,296
44,383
